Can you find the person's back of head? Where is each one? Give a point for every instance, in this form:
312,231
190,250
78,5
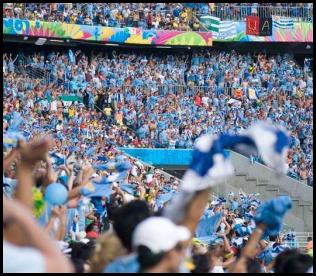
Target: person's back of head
160,244
201,263
127,218
292,261
82,250
108,247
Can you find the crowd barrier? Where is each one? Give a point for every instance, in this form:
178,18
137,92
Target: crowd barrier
162,157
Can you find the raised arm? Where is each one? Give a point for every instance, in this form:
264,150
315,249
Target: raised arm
16,215
30,154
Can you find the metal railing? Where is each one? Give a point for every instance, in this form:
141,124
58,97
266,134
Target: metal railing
300,239
37,73
164,90
239,13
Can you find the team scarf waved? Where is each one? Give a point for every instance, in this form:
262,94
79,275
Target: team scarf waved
210,165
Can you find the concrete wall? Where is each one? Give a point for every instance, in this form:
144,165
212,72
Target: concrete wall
257,178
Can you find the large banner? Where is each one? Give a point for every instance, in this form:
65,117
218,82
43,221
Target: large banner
105,34
282,30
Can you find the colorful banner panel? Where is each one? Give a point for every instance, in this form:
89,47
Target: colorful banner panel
106,34
300,32
283,30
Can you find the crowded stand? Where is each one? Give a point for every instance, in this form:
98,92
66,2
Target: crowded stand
167,16
94,233
81,156
169,101
75,202
164,16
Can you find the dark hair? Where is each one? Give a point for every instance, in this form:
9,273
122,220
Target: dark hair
273,238
78,265
309,239
127,217
81,250
147,258
292,261
89,227
253,266
201,263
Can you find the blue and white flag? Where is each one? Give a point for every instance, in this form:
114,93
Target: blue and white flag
57,158
97,189
283,23
119,166
211,166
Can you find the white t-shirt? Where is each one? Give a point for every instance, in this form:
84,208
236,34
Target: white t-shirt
217,269
53,106
17,259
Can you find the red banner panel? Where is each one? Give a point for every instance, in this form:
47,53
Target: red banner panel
252,25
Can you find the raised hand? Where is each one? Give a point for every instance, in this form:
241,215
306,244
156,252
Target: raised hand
35,151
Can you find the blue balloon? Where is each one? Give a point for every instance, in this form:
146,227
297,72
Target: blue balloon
176,13
56,194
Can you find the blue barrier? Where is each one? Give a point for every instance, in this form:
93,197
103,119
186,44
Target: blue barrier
162,157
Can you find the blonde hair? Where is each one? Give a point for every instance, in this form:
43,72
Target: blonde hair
108,247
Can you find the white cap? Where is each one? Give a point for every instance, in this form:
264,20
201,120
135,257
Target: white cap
159,234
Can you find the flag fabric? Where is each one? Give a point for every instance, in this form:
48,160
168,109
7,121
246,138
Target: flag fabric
208,225
220,29
11,138
97,189
119,166
211,22
271,214
15,122
104,186
128,188
283,23
164,198
57,158
210,166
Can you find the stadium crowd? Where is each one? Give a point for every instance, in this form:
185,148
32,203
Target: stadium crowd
74,202
167,16
99,233
100,227
124,231
169,101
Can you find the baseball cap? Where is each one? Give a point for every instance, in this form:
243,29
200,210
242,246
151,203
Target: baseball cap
159,234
